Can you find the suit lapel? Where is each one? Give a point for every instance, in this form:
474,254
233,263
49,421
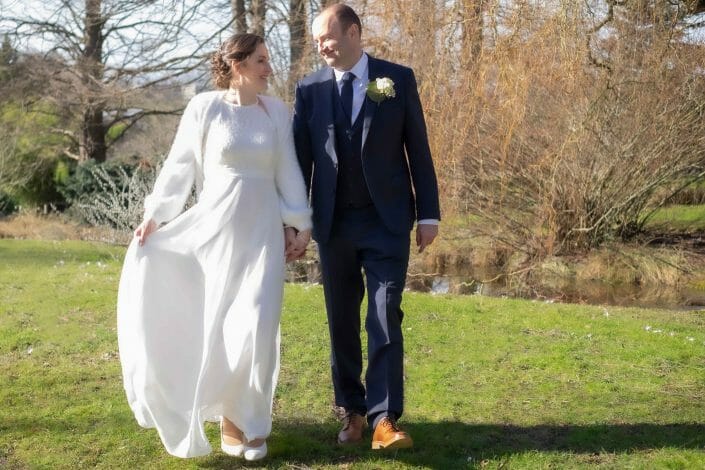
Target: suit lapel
370,106
330,99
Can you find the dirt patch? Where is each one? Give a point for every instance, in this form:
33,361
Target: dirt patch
31,226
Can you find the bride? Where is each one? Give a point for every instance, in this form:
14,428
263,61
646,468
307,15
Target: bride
200,297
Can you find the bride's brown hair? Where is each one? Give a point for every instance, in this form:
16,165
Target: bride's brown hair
236,49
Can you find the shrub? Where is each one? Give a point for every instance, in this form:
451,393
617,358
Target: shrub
109,194
30,153
8,205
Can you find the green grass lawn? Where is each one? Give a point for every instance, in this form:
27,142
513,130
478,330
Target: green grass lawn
491,383
678,218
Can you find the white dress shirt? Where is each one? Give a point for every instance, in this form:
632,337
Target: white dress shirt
361,71
359,84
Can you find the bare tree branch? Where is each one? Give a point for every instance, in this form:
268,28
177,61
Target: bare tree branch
100,53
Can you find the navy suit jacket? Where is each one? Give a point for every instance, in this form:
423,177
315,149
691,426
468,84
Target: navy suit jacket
395,150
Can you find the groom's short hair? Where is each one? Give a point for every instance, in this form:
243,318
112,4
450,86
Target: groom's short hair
346,16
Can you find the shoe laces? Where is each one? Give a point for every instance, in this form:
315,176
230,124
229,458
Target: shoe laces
390,425
348,418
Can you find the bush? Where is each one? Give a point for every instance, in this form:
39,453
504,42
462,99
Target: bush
692,194
30,153
108,194
40,186
8,205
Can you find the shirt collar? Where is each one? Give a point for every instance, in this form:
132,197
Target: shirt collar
359,69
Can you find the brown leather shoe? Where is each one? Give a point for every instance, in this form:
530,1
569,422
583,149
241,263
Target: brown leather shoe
353,426
387,435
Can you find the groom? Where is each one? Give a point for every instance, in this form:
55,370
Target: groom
366,161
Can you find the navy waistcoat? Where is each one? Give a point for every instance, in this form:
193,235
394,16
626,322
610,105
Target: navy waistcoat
351,188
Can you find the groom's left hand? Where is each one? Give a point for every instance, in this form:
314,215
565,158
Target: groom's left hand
425,234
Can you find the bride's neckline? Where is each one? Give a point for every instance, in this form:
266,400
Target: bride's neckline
224,97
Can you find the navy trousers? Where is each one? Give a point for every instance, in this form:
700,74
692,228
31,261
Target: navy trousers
359,240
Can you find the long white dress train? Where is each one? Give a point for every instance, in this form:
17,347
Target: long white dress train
199,304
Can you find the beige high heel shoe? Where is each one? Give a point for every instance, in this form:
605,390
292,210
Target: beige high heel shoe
254,451
231,444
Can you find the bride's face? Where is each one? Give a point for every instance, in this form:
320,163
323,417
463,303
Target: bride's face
253,72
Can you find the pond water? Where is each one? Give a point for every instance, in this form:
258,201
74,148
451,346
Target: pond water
468,281
576,292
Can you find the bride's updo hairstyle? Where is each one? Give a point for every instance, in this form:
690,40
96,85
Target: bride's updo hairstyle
235,49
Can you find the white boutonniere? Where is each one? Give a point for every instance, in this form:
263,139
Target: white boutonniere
381,89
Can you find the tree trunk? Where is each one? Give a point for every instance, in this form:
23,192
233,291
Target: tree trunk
297,34
259,12
92,137
473,24
239,16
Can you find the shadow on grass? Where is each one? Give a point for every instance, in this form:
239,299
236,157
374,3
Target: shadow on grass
439,445
457,445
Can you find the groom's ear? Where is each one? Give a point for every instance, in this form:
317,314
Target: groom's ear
353,31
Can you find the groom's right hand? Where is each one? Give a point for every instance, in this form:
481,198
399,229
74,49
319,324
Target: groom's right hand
425,234
144,230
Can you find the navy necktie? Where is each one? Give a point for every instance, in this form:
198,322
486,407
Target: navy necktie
346,94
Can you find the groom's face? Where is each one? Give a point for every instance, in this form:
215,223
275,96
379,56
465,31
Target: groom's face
340,49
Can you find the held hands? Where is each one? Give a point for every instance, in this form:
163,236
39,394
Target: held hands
144,230
295,243
425,234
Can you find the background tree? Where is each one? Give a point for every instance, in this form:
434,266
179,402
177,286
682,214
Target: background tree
259,16
104,58
27,157
298,35
239,16
8,57
471,13
553,143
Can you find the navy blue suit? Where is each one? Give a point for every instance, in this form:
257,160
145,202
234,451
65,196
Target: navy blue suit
386,153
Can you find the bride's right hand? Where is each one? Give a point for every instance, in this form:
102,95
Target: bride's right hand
144,230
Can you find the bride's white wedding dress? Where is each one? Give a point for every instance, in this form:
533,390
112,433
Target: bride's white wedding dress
199,304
